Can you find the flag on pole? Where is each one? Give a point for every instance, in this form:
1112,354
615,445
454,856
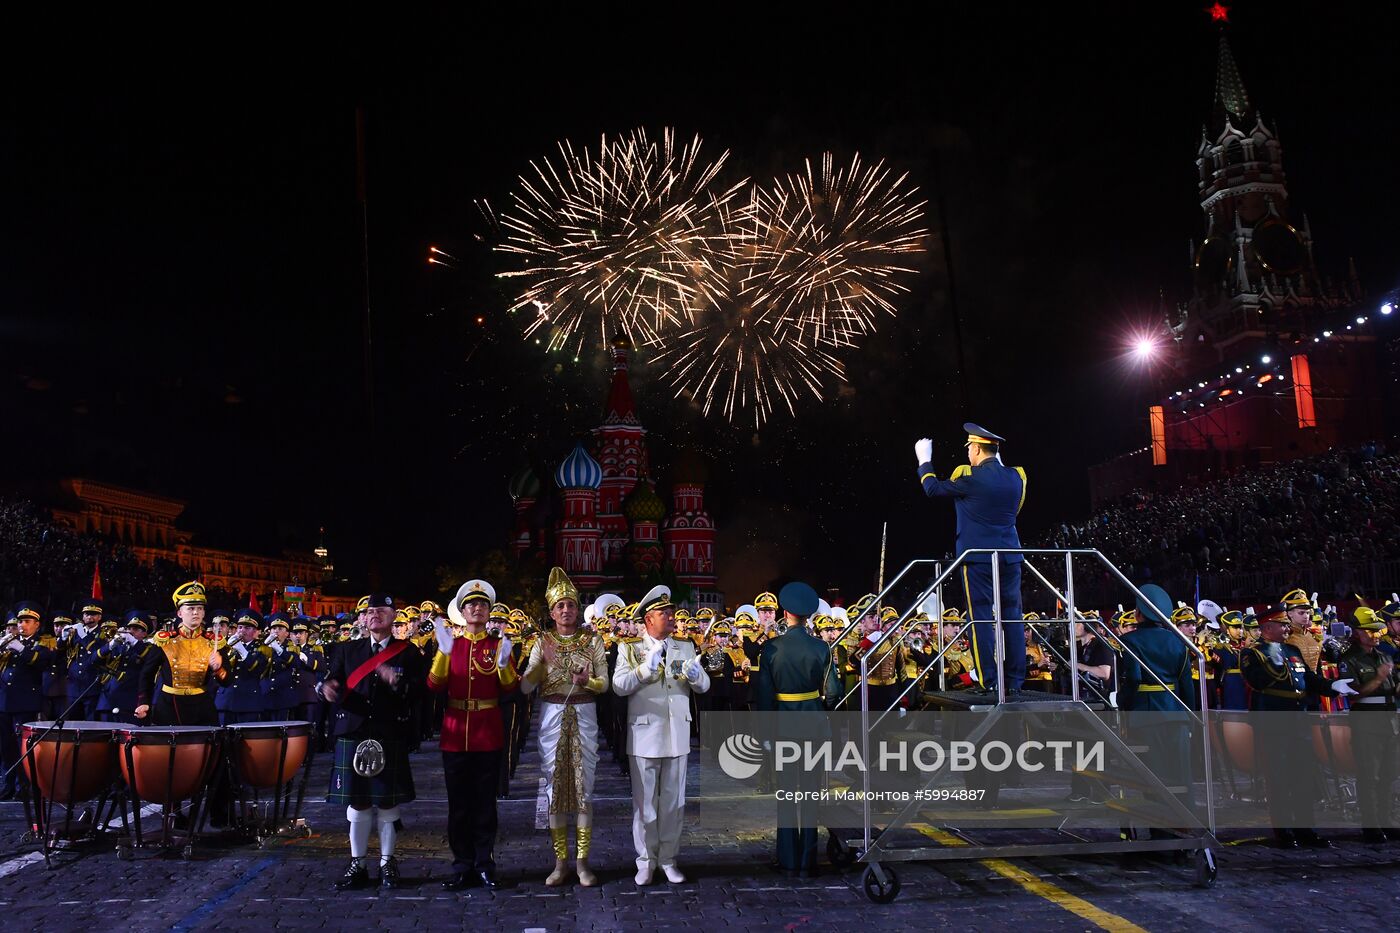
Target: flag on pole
96,579
253,602
315,605
276,603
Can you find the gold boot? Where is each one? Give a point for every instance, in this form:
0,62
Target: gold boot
559,838
585,839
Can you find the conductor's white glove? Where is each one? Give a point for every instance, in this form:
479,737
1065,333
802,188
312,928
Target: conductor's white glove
654,659
503,653
923,449
1343,687
443,635
691,671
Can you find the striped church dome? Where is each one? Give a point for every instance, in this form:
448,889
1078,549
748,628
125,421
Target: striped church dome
579,471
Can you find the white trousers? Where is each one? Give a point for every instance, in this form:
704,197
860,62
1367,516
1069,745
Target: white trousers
658,809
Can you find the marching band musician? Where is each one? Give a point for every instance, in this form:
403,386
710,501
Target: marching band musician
23,658
1372,721
56,672
658,676
132,662
187,658
308,664
474,672
1040,665
375,682
987,496
241,697
279,690
569,667
1281,681
79,648
1234,695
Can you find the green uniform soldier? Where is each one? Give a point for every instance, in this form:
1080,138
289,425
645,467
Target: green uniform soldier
794,671
1373,723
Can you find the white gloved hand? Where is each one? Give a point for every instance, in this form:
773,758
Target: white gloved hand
242,650
15,645
691,670
82,630
268,639
129,638
1343,687
654,659
443,635
277,647
503,653
923,449
301,655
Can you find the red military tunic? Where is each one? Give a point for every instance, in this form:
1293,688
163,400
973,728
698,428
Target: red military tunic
471,717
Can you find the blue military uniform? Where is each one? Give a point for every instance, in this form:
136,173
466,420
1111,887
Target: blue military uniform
308,667
279,690
80,653
130,673
240,696
22,664
988,498
795,670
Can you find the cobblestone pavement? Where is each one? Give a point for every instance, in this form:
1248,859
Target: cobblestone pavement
287,883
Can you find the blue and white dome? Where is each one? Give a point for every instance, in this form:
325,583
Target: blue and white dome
579,471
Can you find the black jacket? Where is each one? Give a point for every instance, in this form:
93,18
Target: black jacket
374,709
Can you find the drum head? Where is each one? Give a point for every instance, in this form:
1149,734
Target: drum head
85,725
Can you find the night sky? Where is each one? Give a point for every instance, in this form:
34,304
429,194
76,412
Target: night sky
180,283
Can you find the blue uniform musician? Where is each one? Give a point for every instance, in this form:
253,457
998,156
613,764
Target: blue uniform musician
988,496
79,650
23,658
279,690
245,662
308,665
131,663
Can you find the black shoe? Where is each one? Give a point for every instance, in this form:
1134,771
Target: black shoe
488,879
1283,838
1373,836
355,877
389,873
1313,841
460,882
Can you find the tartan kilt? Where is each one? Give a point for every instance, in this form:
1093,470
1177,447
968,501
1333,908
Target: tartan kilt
391,787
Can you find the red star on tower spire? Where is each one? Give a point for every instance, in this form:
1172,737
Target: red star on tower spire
1219,12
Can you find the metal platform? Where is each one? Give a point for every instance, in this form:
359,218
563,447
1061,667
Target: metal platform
973,832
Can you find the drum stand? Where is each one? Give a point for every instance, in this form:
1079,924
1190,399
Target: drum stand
283,819
171,835
38,809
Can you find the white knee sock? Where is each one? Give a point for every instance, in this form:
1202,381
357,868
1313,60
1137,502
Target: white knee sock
388,835
361,822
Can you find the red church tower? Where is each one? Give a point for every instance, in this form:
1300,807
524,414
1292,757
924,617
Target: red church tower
578,538
619,445
689,535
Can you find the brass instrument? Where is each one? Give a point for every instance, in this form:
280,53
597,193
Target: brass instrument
7,654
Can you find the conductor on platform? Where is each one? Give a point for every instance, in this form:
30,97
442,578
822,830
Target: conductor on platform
987,496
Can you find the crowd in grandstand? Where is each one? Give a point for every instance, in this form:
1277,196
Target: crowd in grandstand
1335,507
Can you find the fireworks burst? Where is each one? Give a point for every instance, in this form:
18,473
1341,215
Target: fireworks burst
744,353
612,243
748,299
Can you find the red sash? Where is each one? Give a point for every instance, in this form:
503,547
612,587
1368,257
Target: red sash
365,669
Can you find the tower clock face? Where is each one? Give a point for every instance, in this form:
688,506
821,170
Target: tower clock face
1213,260
1278,247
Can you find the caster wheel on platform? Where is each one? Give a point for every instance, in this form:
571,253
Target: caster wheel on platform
187,852
1205,868
877,892
838,853
124,853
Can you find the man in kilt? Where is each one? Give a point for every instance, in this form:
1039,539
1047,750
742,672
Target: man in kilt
375,683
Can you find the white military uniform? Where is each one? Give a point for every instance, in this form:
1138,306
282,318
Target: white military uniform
658,741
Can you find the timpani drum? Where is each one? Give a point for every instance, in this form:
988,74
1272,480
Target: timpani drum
268,754
1238,736
72,764
167,764
1331,742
